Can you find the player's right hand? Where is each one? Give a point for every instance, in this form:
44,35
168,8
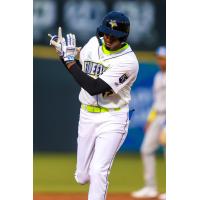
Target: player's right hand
53,40
58,42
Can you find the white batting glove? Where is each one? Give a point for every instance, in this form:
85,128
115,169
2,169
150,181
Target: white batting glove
58,42
71,51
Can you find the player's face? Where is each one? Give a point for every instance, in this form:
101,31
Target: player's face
161,62
111,42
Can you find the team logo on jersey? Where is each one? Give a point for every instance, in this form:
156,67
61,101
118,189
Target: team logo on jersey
123,78
93,69
113,23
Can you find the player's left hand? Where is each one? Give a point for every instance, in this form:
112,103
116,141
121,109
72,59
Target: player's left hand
71,50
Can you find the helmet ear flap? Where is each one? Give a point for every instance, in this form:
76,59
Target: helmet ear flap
123,39
99,33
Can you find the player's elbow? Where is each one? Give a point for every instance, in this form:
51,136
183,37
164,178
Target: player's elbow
98,86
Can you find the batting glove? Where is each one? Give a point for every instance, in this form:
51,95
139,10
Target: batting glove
71,50
58,42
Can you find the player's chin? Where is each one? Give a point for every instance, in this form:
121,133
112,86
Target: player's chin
108,46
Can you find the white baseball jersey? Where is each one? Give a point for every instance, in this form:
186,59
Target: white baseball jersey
159,92
118,69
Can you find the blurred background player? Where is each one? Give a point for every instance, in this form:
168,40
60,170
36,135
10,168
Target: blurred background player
153,129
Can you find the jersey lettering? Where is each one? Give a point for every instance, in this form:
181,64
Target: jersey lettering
93,69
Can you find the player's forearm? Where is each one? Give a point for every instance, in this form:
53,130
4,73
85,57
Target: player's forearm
92,86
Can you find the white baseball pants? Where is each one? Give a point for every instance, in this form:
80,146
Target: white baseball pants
100,135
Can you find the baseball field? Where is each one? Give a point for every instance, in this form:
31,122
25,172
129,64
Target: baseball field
53,177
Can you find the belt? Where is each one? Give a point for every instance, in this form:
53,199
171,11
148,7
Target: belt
97,109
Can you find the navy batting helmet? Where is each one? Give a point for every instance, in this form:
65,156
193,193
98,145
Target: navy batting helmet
115,24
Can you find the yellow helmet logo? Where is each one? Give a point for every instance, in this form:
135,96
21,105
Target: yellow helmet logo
113,23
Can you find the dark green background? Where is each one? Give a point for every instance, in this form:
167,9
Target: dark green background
56,107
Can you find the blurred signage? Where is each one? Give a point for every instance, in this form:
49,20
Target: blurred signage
83,17
44,18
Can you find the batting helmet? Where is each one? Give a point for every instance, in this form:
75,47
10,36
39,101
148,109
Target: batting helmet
115,24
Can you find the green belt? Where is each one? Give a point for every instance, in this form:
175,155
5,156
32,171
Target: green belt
97,109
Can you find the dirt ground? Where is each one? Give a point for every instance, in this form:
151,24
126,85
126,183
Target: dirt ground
65,196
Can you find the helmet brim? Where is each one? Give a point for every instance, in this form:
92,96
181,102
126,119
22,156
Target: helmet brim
111,32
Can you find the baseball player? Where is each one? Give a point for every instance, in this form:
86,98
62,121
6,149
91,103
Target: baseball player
106,70
154,126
